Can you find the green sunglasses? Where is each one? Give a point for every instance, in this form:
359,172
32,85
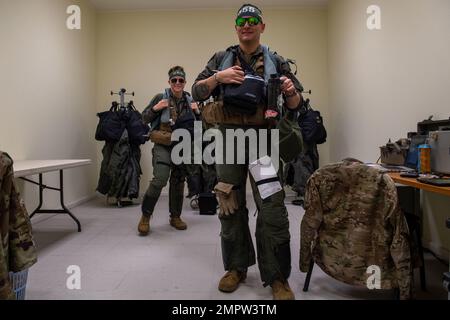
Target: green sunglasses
252,21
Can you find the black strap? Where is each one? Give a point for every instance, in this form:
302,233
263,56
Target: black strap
305,108
114,106
131,106
187,105
290,61
264,181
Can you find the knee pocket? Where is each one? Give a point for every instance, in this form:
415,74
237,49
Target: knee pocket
159,184
230,227
275,223
228,235
160,181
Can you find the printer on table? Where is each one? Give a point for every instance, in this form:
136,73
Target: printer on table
440,151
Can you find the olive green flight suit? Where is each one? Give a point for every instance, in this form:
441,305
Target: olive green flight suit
272,225
163,169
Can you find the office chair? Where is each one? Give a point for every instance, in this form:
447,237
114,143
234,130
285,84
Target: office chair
353,221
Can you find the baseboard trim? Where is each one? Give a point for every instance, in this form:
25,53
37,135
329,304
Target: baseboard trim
81,201
439,250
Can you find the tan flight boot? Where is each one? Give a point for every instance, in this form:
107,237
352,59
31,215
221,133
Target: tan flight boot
177,223
230,281
144,225
282,291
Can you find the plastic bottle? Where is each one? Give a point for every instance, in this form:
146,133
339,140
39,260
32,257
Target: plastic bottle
424,158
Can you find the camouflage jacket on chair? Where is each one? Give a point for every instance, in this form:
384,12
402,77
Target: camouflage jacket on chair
353,221
17,249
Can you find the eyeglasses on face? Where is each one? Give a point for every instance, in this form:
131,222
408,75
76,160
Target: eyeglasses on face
252,21
175,80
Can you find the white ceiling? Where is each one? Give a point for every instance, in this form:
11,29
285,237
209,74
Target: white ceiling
198,4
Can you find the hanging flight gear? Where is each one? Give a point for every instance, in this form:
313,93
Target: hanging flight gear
112,123
137,129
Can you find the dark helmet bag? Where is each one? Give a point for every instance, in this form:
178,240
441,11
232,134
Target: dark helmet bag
110,126
137,129
311,123
246,97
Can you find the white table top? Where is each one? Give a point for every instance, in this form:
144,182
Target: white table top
23,168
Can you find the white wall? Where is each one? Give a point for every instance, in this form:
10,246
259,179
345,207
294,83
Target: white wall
383,82
47,83
136,49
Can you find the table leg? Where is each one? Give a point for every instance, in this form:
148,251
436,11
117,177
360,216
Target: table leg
41,190
418,213
61,198
61,193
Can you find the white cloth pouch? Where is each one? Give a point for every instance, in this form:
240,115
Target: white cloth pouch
265,176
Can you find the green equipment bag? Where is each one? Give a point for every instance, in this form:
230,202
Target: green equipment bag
291,141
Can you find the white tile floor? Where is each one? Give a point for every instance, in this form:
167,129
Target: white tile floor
168,264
